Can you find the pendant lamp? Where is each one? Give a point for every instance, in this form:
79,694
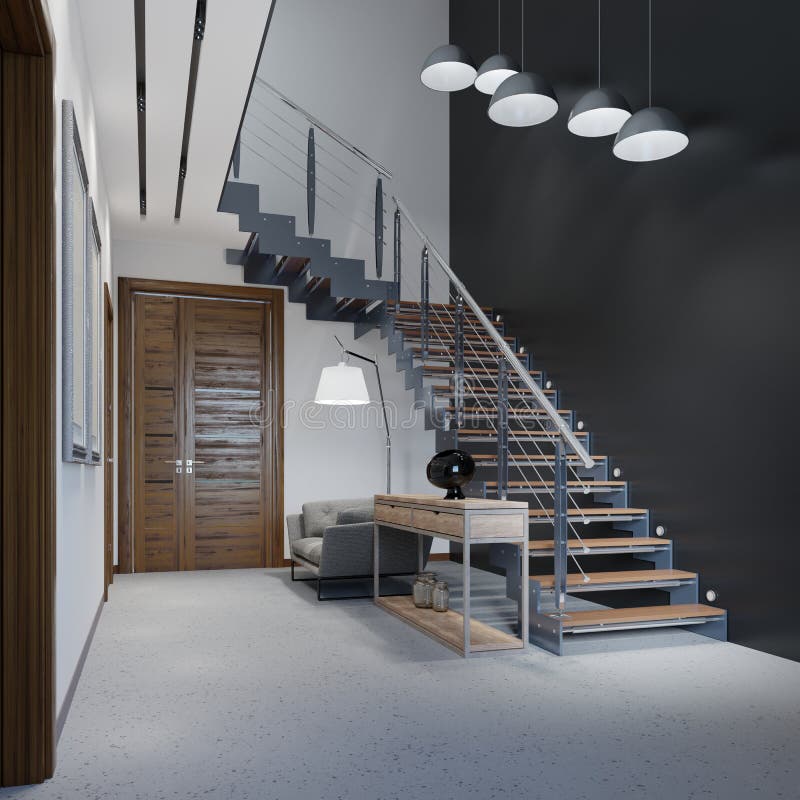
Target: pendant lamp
496,68
523,99
652,133
448,69
601,111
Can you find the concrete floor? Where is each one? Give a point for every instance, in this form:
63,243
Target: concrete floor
240,685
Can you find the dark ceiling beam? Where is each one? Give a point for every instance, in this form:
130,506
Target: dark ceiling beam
194,64
141,102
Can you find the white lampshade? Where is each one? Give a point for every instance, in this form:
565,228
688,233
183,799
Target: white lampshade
523,99
342,385
448,69
650,135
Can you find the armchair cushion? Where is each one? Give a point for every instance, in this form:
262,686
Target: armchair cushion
320,514
354,516
308,548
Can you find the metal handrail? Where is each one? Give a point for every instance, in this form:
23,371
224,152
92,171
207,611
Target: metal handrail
561,426
313,121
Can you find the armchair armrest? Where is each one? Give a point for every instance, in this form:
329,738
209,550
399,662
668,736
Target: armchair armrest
295,528
346,550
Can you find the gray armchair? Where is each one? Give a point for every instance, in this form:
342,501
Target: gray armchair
333,540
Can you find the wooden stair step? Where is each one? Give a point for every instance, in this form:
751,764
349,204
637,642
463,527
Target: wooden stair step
512,411
526,432
514,459
541,546
483,372
412,333
549,485
449,306
610,617
469,353
589,512
575,579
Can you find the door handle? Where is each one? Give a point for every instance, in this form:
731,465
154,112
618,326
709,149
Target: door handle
178,465
189,464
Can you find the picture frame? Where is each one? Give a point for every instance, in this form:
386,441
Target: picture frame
94,346
75,230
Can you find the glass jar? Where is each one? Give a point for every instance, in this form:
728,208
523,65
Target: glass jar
441,596
423,590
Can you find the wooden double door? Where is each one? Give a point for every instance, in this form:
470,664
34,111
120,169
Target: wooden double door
205,456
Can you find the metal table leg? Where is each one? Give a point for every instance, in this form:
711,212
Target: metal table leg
376,563
466,589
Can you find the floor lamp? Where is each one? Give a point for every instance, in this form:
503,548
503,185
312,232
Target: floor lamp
344,385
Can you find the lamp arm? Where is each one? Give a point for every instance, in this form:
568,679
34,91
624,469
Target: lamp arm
374,363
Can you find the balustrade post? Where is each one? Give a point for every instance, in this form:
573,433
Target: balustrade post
379,227
502,429
424,303
458,377
398,258
311,181
560,532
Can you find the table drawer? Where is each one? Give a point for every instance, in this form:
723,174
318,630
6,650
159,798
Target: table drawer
399,515
439,521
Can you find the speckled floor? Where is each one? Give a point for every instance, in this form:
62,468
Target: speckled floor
240,685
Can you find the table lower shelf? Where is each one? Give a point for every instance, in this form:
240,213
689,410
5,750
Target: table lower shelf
447,627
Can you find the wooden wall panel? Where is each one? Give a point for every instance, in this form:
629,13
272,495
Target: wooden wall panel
27,405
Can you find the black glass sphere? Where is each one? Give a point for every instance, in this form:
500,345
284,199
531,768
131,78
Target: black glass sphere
450,470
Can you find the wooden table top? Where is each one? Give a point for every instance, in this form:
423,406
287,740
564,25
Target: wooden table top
467,504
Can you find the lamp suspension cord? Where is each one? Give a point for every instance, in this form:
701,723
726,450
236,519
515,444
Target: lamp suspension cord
522,14
498,26
598,43
650,54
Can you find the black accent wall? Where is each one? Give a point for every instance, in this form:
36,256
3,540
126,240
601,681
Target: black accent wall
662,298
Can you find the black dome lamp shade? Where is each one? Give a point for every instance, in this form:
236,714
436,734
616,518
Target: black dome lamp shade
451,469
448,69
601,111
523,99
496,68
652,133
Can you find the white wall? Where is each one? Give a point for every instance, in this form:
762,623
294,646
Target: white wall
79,489
354,64
322,459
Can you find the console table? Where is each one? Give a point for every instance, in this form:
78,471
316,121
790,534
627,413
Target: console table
470,521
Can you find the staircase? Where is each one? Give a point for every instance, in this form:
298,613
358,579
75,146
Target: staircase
480,392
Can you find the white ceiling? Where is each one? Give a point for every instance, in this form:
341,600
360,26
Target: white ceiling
232,36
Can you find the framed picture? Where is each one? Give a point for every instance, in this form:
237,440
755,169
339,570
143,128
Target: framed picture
75,233
94,384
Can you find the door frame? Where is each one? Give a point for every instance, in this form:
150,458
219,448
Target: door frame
108,439
127,288
27,395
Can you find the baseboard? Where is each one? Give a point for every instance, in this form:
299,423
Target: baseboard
76,676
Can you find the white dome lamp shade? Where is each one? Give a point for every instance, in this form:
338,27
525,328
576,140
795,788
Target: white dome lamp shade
342,385
448,69
494,71
496,68
650,135
600,112
523,99
653,133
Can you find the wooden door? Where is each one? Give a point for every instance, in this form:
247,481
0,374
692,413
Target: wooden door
108,440
225,379
156,436
203,460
